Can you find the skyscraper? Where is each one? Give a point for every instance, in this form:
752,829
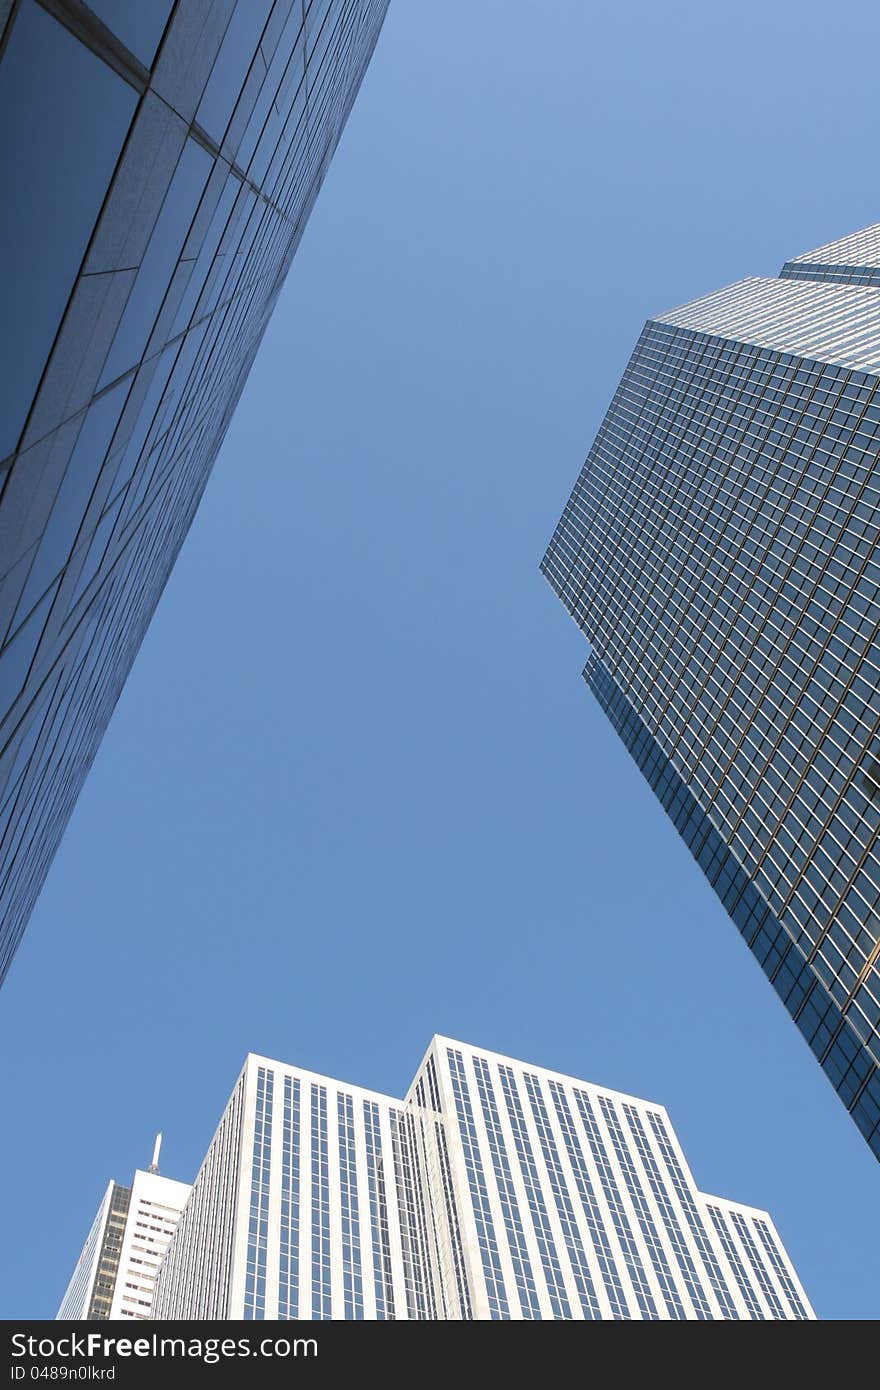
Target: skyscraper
115,1275
719,551
161,162
495,1190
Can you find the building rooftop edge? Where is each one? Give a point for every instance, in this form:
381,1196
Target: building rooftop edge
442,1039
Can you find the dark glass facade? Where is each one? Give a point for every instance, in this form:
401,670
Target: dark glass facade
108,1260
164,162
720,552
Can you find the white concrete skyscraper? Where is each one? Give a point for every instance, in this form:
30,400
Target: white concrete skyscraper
115,1275
495,1190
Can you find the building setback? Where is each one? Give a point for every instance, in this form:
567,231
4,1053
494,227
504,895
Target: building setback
164,161
495,1190
115,1276
720,553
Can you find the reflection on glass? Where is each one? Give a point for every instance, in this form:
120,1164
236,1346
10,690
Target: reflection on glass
69,114
96,552
206,255
137,23
160,257
73,496
16,659
231,67
145,415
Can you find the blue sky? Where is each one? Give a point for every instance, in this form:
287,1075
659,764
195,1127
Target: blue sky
355,791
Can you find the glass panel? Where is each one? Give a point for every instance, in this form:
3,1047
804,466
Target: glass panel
146,415
206,255
73,495
139,24
34,720
18,655
96,552
160,258
70,114
231,66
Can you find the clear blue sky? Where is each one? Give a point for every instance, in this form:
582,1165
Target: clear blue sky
355,791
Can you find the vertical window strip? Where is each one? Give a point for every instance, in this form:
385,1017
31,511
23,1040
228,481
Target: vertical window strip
592,1212
288,1267
540,1220
433,1088
519,1254
414,1256
645,1217
631,1253
352,1276
426,1207
564,1208
383,1282
757,1264
782,1273
692,1215
693,1277
744,1284
449,1197
258,1220
486,1238
454,1225
321,1294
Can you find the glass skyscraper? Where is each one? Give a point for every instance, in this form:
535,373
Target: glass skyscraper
720,553
494,1190
160,162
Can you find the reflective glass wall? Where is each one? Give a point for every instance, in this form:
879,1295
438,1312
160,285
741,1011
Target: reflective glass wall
721,551
160,163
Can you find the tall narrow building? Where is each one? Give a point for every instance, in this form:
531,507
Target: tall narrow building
720,553
115,1275
494,1190
161,162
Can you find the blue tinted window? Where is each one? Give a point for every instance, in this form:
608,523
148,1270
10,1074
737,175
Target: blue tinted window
139,24
145,414
231,66
70,114
206,255
73,495
97,548
160,258
16,659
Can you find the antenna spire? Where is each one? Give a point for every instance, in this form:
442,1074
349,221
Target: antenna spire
154,1166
